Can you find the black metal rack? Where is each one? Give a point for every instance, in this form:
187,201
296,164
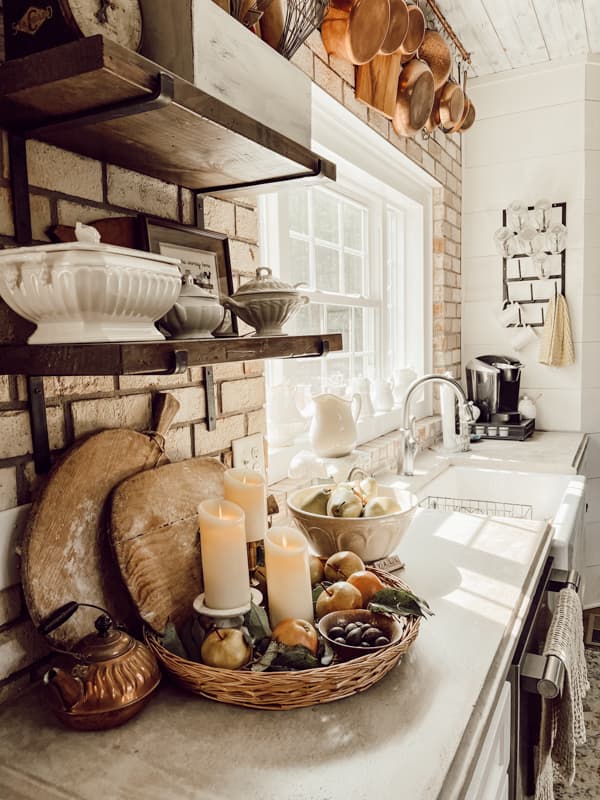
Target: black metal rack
558,277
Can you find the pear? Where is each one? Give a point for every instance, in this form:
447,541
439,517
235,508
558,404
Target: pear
316,502
368,488
344,503
379,506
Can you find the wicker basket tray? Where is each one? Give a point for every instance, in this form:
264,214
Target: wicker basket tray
285,690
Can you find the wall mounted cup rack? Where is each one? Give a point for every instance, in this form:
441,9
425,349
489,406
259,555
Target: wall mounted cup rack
522,284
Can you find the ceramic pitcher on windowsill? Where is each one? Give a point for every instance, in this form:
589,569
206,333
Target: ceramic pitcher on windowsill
333,428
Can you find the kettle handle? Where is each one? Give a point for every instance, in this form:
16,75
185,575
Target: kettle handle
356,406
63,613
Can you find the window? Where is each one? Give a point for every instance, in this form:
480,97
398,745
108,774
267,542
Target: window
363,248
352,266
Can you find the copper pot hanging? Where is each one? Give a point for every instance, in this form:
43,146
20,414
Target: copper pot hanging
435,52
414,34
355,31
469,118
397,29
415,97
448,107
449,129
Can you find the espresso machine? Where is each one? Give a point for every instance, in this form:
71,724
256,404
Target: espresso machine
493,386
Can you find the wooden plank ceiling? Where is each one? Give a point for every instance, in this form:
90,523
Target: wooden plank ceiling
505,34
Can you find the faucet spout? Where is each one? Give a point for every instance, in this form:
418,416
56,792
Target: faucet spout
409,442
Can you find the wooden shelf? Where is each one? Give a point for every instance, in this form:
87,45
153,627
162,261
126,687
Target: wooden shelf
139,358
183,136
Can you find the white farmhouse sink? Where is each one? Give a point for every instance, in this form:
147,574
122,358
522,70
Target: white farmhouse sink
556,498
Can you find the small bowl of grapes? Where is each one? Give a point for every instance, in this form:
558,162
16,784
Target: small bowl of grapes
358,632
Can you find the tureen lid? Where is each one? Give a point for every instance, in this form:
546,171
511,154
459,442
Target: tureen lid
265,282
191,289
12,253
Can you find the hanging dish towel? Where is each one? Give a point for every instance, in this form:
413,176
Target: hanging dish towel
563,726
556,346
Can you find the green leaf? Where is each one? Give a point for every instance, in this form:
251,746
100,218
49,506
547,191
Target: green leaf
297,657
267,658
257,622
170,639
192,635
399,602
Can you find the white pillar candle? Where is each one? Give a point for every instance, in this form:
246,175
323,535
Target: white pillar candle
288,575
224,554
248,489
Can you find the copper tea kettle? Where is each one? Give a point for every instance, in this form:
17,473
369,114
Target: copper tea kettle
105,680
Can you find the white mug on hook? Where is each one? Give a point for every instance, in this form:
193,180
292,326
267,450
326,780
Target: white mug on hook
521,336
509,314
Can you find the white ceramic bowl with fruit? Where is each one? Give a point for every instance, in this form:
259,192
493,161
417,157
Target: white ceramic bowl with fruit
370,521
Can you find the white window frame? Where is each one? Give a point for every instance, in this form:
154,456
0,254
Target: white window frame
363,157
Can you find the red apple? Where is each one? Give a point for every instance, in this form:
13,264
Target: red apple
293,632
367,584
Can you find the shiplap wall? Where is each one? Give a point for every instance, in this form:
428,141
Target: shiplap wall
528,144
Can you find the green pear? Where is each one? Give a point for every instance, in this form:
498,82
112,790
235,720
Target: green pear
379,506
368,487
316,502
344,503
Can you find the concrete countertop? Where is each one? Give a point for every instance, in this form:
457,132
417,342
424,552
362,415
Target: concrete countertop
414,735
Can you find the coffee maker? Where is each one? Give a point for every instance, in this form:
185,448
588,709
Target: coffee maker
493,386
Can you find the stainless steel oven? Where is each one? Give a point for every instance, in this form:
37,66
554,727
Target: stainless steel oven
533,676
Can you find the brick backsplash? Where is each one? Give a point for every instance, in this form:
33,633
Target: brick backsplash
65,188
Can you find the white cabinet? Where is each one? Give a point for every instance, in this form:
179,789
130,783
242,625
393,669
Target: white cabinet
590,467
490,778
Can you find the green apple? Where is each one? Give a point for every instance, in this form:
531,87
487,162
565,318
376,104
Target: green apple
339,596
225,648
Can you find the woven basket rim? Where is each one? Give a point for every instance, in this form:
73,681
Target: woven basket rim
252,689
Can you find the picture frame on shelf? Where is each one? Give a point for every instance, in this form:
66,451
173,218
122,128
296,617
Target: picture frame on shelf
203,253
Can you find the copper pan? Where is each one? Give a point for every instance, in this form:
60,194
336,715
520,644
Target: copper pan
398,28
469,119
414,34
449,129
435,52
448,107
415,98
355,31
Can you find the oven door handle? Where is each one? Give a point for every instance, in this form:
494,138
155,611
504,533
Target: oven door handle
545,675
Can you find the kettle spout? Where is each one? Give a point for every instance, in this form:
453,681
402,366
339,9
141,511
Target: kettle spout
68,689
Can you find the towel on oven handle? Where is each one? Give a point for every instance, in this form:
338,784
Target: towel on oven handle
562,725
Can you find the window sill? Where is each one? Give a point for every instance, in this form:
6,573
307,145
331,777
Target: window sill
368,430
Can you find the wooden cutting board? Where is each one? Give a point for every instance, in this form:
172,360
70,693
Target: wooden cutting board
154,530
66,547
377,83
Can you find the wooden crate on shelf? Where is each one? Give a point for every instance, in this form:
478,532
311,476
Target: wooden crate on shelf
227,61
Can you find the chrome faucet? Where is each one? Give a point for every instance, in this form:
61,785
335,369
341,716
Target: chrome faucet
409,447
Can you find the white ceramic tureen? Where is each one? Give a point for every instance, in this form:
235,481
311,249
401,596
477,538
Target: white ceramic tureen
266,303
89,292
195,314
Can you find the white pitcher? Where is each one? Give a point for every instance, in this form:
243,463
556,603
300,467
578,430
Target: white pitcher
333,428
